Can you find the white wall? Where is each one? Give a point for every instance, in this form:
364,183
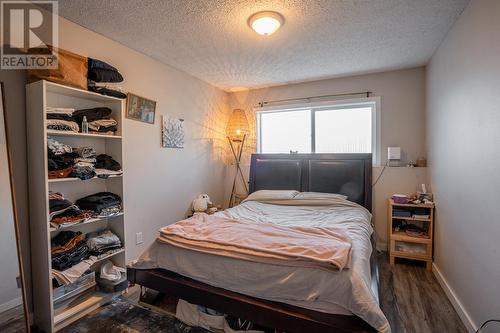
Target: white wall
463,126
402,96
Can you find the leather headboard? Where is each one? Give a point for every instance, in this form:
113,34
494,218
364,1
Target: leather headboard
347,174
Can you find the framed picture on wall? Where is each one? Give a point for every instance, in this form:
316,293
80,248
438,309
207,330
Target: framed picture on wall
140,108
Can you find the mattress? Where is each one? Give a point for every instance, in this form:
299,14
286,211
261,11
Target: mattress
344,292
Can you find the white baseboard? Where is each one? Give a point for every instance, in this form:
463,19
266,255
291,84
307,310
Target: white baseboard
11,304
462,313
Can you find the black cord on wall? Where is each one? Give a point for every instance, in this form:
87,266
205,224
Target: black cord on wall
486,323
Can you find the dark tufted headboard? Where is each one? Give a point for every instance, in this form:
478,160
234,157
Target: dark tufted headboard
347,174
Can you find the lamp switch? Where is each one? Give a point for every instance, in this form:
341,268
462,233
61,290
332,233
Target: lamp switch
138,238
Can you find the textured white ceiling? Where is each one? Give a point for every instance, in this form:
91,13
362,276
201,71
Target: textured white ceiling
211,40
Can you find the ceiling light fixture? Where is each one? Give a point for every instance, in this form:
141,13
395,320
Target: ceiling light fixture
266,23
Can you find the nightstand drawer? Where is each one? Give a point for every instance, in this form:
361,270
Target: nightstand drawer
410,250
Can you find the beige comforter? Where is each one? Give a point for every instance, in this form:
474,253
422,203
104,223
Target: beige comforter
301,246
330,291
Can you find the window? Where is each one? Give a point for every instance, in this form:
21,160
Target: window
334,127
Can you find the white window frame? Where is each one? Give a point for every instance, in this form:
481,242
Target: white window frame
373,102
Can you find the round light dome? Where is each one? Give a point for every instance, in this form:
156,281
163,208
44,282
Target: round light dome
265,23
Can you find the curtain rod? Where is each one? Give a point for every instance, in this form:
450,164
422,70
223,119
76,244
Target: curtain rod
262,104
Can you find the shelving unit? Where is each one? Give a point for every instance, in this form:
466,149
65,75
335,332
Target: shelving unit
402,245
48,316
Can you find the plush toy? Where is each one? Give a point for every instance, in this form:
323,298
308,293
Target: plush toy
201,203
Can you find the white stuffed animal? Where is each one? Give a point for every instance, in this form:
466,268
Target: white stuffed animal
201,203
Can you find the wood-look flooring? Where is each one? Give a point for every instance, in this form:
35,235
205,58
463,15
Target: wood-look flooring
413,301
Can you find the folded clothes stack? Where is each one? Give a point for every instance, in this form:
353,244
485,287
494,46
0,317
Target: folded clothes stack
82,162
61,119
106,166
101,204
63,212
83,166
62,125
100,72
60,159
72,274
68,249
103,242
65,119
99,120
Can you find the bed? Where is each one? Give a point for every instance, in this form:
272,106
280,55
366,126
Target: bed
285,298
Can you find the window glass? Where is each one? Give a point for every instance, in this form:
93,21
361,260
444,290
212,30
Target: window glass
344,130
283,131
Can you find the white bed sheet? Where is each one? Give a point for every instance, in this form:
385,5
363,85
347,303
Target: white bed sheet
337,292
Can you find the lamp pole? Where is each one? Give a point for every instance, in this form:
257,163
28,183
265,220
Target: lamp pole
237,158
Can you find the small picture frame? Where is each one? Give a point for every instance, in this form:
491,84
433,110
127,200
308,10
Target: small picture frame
140,109
172,132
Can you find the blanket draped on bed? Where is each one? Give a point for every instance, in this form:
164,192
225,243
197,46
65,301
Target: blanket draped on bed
323,247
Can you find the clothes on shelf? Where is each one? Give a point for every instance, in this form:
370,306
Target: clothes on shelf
59,113
62,173
85,152
65,241
104,174
102,203
66,119
81,162
72,274
57,148
62,125
92,114
103,242
107,91
74,253
99,71
106,166
83,170
75,250
103,125
63,212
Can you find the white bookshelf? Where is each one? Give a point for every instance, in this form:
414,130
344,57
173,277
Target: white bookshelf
39,95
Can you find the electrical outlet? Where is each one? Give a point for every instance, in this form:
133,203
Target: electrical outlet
138,238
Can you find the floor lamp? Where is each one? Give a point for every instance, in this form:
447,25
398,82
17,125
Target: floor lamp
237,131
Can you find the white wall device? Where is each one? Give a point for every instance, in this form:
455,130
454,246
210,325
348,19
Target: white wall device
394,156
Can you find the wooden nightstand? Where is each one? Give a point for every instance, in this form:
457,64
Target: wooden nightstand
404,244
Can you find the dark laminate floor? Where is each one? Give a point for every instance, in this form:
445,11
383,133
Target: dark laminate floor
410,297
413,300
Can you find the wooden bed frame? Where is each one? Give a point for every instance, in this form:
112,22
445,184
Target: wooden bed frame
348,174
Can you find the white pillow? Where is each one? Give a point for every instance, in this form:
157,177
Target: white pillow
319,195
272,195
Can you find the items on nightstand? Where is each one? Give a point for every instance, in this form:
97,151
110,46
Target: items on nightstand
400,198
410,230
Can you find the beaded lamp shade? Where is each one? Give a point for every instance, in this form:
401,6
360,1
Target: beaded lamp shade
237,126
